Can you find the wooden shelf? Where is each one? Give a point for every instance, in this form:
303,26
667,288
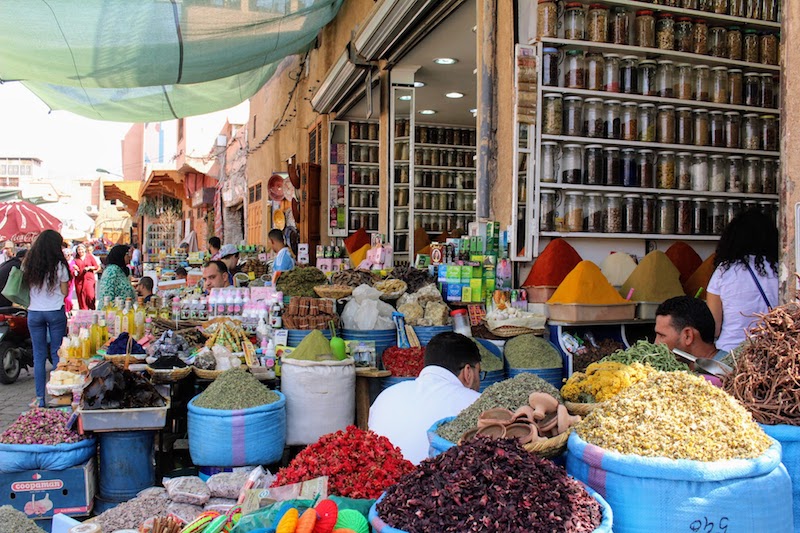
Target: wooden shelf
648,236
660,146
656,192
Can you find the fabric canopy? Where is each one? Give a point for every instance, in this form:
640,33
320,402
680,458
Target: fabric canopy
149,60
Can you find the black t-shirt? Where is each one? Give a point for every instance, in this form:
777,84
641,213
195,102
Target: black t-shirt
5,270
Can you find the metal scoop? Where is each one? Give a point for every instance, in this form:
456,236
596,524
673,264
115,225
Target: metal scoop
709,366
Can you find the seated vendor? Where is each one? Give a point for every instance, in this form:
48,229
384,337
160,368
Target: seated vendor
284,260
403,413
144,289
229,255
215,276
687,324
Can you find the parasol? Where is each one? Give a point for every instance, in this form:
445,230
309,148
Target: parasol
21,222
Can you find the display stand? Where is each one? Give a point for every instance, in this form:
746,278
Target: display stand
363,379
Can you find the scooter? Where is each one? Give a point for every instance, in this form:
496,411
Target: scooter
16,350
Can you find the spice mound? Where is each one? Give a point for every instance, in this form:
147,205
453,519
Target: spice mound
553,264
677,416
40,426
655,279
603,381
586,284
656,355
358,463
617,267
301,281
235,389
510,394
684,258
764,376
489,486
530,351
404,362
16,521
314,347
489,361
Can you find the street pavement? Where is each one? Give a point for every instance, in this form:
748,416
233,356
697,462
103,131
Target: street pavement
14,398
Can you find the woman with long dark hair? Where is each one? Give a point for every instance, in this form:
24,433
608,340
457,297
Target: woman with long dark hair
745,281
46,271
115,283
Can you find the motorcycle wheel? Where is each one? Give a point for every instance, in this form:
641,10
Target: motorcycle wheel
9,363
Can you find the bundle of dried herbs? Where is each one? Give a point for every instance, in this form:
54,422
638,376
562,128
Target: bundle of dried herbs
235,389
656,355
489,486
415,278
509,394
590,353
301,281
530,351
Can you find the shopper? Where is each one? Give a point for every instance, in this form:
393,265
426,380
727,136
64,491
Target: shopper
144,289
5,270
181,273
84,267
69,256
229,255
745,281
115,283
214,244
403,413
136,261
283,260
215,276
7,252
46,271
687,324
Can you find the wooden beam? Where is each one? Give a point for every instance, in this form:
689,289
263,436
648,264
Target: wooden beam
790,150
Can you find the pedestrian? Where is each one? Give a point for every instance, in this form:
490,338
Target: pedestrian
69,256
83,271
214,245
136,260
115,283
7,252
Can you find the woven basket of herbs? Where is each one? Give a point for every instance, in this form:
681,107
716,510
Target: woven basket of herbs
335,292
206,374
168,375
580,409
508,332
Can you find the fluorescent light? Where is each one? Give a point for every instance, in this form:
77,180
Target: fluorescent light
419,84
427,112
455,95
445,61
405,97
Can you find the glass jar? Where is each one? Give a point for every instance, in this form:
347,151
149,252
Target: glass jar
688,4
620,26
574,115
630,122
645,29
547,19
751,180
719,85
645,169
735,173
593,118
700,37
632,213
734,43
665,79
700,173
717,169
735,86
685,81
699,216
550,63
767,90
549,170
630,178
574,22
752,89
629,75
547,220
717,126
575,77
594,212
718,41
647,78
665,170
751,47
684,124
597,23
435,157
769,48
613,122
426,157
611,81
595,71
593,168
736,8
683,215
769,175
422,137
717,218
665,32
702,83
613,213
571,163
573,211
770,10
769,133
751,132
733,127
649,214
552,114
612,164
701,134
665,124
734,207
684,38
683,170
647,123
666,216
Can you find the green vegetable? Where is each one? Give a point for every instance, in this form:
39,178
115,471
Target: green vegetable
530,351
235,389
656,355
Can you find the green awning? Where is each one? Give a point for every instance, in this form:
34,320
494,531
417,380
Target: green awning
149,60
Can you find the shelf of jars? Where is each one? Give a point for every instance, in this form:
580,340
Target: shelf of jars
656,191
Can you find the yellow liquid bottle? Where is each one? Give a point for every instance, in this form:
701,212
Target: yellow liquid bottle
139,316
104,335
96,335
129,314
85,343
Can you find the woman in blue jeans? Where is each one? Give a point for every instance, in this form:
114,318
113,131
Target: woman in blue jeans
47,273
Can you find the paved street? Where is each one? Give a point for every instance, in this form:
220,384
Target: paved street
14,398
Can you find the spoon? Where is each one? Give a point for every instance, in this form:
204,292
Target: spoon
709,366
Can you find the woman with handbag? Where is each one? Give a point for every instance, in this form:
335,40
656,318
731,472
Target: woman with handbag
46,271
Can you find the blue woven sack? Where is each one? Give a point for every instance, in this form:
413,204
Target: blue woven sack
666,495
20,457
437,443
254,436
789,437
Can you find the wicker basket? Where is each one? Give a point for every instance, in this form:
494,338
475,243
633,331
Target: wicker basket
552,447
207,374
336,292
119,360
580,409
168,375
514,331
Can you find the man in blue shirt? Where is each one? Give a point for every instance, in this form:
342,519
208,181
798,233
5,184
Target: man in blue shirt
284,260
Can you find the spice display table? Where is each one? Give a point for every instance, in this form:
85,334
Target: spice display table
363,377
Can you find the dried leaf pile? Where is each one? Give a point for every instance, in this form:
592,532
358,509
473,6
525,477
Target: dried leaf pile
766,375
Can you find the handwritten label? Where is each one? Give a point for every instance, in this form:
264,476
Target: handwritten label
705,525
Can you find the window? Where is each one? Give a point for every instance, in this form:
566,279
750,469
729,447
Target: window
258,192
254,193
9,182
254,126
24,170
315,144
13,170
3,170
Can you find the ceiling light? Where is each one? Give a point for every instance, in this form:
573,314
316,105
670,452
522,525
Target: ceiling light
405,97
445,61
473,110
455,95
427,112
419,84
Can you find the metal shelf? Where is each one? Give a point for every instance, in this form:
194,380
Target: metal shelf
358,186
364,141
671,192
431,167
363,164
662,146
443,212
364,209
646,236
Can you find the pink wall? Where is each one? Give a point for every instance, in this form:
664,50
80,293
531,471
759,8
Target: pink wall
133,153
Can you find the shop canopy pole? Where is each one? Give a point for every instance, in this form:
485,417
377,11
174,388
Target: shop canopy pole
487,45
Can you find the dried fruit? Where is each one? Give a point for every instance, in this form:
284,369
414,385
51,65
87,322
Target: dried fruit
404,362
40,426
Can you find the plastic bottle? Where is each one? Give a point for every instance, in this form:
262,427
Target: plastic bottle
176,309
237,303
139,317
106,335
85,343
276,320
95,334
229,306
269,360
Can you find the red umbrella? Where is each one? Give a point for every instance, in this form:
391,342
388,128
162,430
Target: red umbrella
21,221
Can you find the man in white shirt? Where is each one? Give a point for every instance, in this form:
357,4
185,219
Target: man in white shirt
447,385
7,252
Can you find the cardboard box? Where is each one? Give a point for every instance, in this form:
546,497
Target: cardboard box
453,274
466,274
477,290
453,292
441,273
466,294
40,494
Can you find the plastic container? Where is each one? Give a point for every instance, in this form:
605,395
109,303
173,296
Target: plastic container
461,322
590,313
123,419
383,338
296,336
426,333
127,464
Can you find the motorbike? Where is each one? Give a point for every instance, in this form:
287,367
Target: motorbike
16,350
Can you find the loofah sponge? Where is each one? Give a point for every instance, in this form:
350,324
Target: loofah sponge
352,519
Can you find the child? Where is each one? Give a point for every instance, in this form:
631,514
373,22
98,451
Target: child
284,260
